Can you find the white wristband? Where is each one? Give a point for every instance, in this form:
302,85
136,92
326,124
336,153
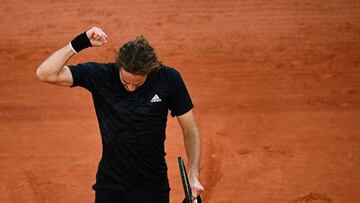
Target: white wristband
72,48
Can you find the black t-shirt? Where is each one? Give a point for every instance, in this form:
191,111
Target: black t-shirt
132,124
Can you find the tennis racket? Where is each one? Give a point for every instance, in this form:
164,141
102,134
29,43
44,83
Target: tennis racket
185,182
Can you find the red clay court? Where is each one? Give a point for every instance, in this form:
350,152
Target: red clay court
276,88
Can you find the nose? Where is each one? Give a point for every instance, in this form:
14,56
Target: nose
131,87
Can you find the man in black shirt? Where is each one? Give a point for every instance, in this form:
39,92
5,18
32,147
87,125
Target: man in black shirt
131,97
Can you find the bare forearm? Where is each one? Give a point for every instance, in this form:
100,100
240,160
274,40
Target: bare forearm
193,150
52,66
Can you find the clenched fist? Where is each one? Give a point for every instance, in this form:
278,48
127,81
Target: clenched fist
96,36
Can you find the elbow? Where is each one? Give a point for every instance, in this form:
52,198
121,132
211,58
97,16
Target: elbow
192,132
41,75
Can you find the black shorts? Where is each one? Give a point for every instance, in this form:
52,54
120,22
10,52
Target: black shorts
115,196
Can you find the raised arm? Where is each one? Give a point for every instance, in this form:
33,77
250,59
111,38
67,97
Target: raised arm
193,150
53,70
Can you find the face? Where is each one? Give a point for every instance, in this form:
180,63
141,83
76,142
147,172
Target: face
130,81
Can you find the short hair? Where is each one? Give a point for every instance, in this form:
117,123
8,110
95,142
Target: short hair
137,57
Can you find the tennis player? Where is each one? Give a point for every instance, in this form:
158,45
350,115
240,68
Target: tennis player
132,97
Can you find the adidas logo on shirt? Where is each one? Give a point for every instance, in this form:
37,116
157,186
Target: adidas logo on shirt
155,98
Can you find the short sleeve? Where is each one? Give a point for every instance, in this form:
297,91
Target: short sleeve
180,100
85,75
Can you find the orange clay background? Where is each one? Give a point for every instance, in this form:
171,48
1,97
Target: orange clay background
276,88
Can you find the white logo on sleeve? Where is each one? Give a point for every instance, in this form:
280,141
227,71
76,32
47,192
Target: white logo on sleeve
155,98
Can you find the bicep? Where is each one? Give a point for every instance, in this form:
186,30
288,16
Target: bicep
64,78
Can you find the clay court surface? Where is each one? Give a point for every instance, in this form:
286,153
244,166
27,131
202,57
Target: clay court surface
276,88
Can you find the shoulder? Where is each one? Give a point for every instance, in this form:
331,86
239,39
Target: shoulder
169,72
94,67
172,77
106,67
